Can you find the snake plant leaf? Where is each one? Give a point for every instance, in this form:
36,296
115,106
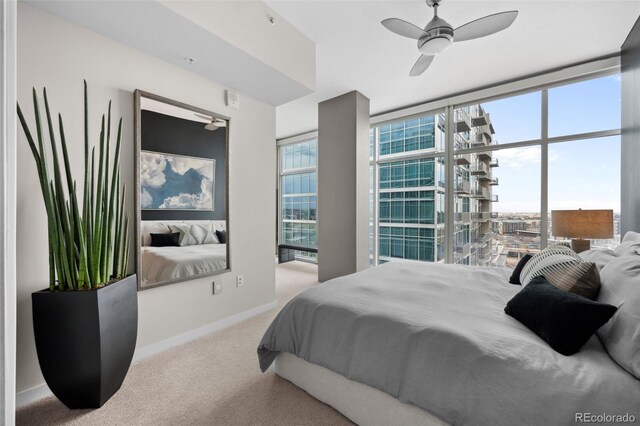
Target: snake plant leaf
88,244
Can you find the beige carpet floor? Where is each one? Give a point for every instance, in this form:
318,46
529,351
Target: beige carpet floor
213,380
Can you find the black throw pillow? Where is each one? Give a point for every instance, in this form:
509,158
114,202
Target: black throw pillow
165,239
564,320
222,236
515,277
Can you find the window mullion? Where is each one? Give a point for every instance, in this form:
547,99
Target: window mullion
449,186
544,171
376,196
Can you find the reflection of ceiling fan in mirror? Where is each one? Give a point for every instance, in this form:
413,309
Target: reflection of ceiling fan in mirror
215,123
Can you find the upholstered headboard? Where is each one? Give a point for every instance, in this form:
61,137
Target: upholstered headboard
147,227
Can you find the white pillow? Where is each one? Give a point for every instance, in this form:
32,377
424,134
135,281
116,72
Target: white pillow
186,237
204,234
599,257
629,245
149,228
621,335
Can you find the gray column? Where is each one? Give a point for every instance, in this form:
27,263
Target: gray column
630,149
343,185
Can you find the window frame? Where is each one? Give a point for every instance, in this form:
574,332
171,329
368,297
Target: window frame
538,83
281,173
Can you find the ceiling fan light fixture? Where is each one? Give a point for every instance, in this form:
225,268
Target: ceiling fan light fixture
433,45
438,35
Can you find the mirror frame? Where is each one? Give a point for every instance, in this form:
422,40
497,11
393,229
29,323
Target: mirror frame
138,95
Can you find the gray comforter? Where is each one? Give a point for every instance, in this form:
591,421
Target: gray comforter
436,336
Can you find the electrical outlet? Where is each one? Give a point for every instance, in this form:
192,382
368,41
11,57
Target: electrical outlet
239,280
217,288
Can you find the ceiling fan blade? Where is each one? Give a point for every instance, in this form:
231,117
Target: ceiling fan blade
421,65
403,28
485,26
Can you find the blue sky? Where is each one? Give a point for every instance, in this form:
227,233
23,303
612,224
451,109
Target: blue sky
582,174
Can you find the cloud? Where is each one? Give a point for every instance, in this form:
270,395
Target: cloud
146,199
519,157
152,170
201,201
181,165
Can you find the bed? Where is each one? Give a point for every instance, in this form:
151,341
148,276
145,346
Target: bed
418,343
160,264
167,264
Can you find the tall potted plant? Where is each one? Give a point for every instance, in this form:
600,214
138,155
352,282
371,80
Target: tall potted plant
86,322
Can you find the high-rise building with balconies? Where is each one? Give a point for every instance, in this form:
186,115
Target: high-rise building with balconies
412,191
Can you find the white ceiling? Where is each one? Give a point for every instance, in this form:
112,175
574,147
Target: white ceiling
166,30
355,52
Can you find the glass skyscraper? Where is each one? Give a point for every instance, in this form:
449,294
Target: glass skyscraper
411,188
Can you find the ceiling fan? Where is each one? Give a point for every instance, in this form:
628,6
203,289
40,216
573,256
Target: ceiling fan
438,35
215,123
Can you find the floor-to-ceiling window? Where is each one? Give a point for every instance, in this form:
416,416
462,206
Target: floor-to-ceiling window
475,182
298,198
409,167
513,160
497,193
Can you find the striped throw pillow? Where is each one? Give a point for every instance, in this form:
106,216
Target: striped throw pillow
563,268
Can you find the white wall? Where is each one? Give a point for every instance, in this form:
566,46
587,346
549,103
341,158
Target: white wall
8,56
58,55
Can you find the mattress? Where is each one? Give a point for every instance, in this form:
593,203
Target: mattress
160,264
436,336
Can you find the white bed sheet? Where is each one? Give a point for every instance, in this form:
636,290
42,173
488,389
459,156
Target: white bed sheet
160,264
360,403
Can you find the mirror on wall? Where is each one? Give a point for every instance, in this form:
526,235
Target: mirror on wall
182,184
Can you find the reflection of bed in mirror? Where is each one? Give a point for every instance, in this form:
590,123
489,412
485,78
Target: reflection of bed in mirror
170,263
182,160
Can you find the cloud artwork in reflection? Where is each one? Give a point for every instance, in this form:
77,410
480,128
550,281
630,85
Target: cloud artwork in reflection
175,182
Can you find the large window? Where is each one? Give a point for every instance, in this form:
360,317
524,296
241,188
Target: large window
475,183
497,214
511,156
298,199
409,195
585,174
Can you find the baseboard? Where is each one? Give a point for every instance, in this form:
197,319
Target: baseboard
201,331
34,394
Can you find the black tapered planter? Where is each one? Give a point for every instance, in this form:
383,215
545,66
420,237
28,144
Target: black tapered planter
85,340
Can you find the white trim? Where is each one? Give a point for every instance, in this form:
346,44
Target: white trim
42,391
537,142
8,65
298,138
